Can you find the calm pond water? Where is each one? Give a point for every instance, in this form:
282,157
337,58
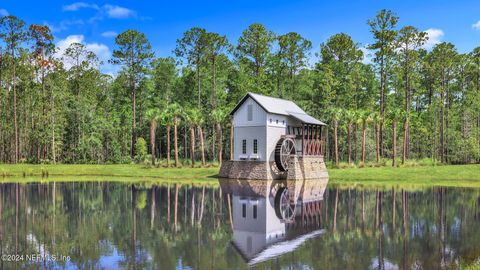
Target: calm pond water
237,225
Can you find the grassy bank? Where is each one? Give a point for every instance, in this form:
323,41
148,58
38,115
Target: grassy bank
458,175
117,170
451,175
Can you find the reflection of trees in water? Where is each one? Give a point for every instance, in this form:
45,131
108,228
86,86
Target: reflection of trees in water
86,221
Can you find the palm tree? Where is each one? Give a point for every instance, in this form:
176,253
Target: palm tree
197,119
365,118
176,111
405,136
376,120
166,118
153,117
219,116
191,117
349,118
394,115
200,120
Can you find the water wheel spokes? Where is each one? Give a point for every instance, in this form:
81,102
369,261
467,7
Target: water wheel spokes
284,150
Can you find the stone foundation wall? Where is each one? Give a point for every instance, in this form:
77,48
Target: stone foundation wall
308,167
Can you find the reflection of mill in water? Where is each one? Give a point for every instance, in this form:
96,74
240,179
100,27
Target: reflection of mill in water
271,218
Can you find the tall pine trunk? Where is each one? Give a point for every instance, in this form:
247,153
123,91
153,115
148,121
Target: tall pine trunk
134,121
198,82
153,126
382,102
192,145
442,129
15,124
202,146
214,83
335,139
377,142
364,138
52,101
405,140
349,142
219,143
175,140
394,143
168,145
406,135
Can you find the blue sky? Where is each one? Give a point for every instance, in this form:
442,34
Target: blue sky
95,23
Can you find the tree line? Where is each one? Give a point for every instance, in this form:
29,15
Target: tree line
408,103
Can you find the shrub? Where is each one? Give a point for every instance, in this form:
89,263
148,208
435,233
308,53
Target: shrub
44,161
410,163
345,165
428,162
141,150
125,160
186,162
385,162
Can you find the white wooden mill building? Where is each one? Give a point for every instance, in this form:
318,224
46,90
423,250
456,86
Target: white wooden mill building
274,139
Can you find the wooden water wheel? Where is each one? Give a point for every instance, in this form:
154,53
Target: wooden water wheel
284,150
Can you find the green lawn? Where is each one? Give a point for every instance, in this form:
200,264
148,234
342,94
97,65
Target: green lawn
458,175
450,175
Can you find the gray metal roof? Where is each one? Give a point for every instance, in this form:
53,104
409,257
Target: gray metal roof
279,106
307,119
276,105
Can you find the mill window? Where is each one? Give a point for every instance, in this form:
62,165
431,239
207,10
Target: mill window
249,112
244,146
255,146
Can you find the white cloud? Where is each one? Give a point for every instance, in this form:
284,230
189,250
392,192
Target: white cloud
63,25
118,12
367,55
3,12
101,51
109,34
476,25
63,44
111,11
434,37
78,5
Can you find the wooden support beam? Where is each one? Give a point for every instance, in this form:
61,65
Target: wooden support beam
307,142
303,139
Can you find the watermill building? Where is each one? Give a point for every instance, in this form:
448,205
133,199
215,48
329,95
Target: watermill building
274,138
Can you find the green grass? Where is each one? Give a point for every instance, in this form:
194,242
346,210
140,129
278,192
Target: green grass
458,175
122,170
450,175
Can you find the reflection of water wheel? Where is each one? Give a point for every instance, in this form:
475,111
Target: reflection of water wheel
285,205
283,153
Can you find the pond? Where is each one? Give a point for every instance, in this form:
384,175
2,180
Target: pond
236,225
